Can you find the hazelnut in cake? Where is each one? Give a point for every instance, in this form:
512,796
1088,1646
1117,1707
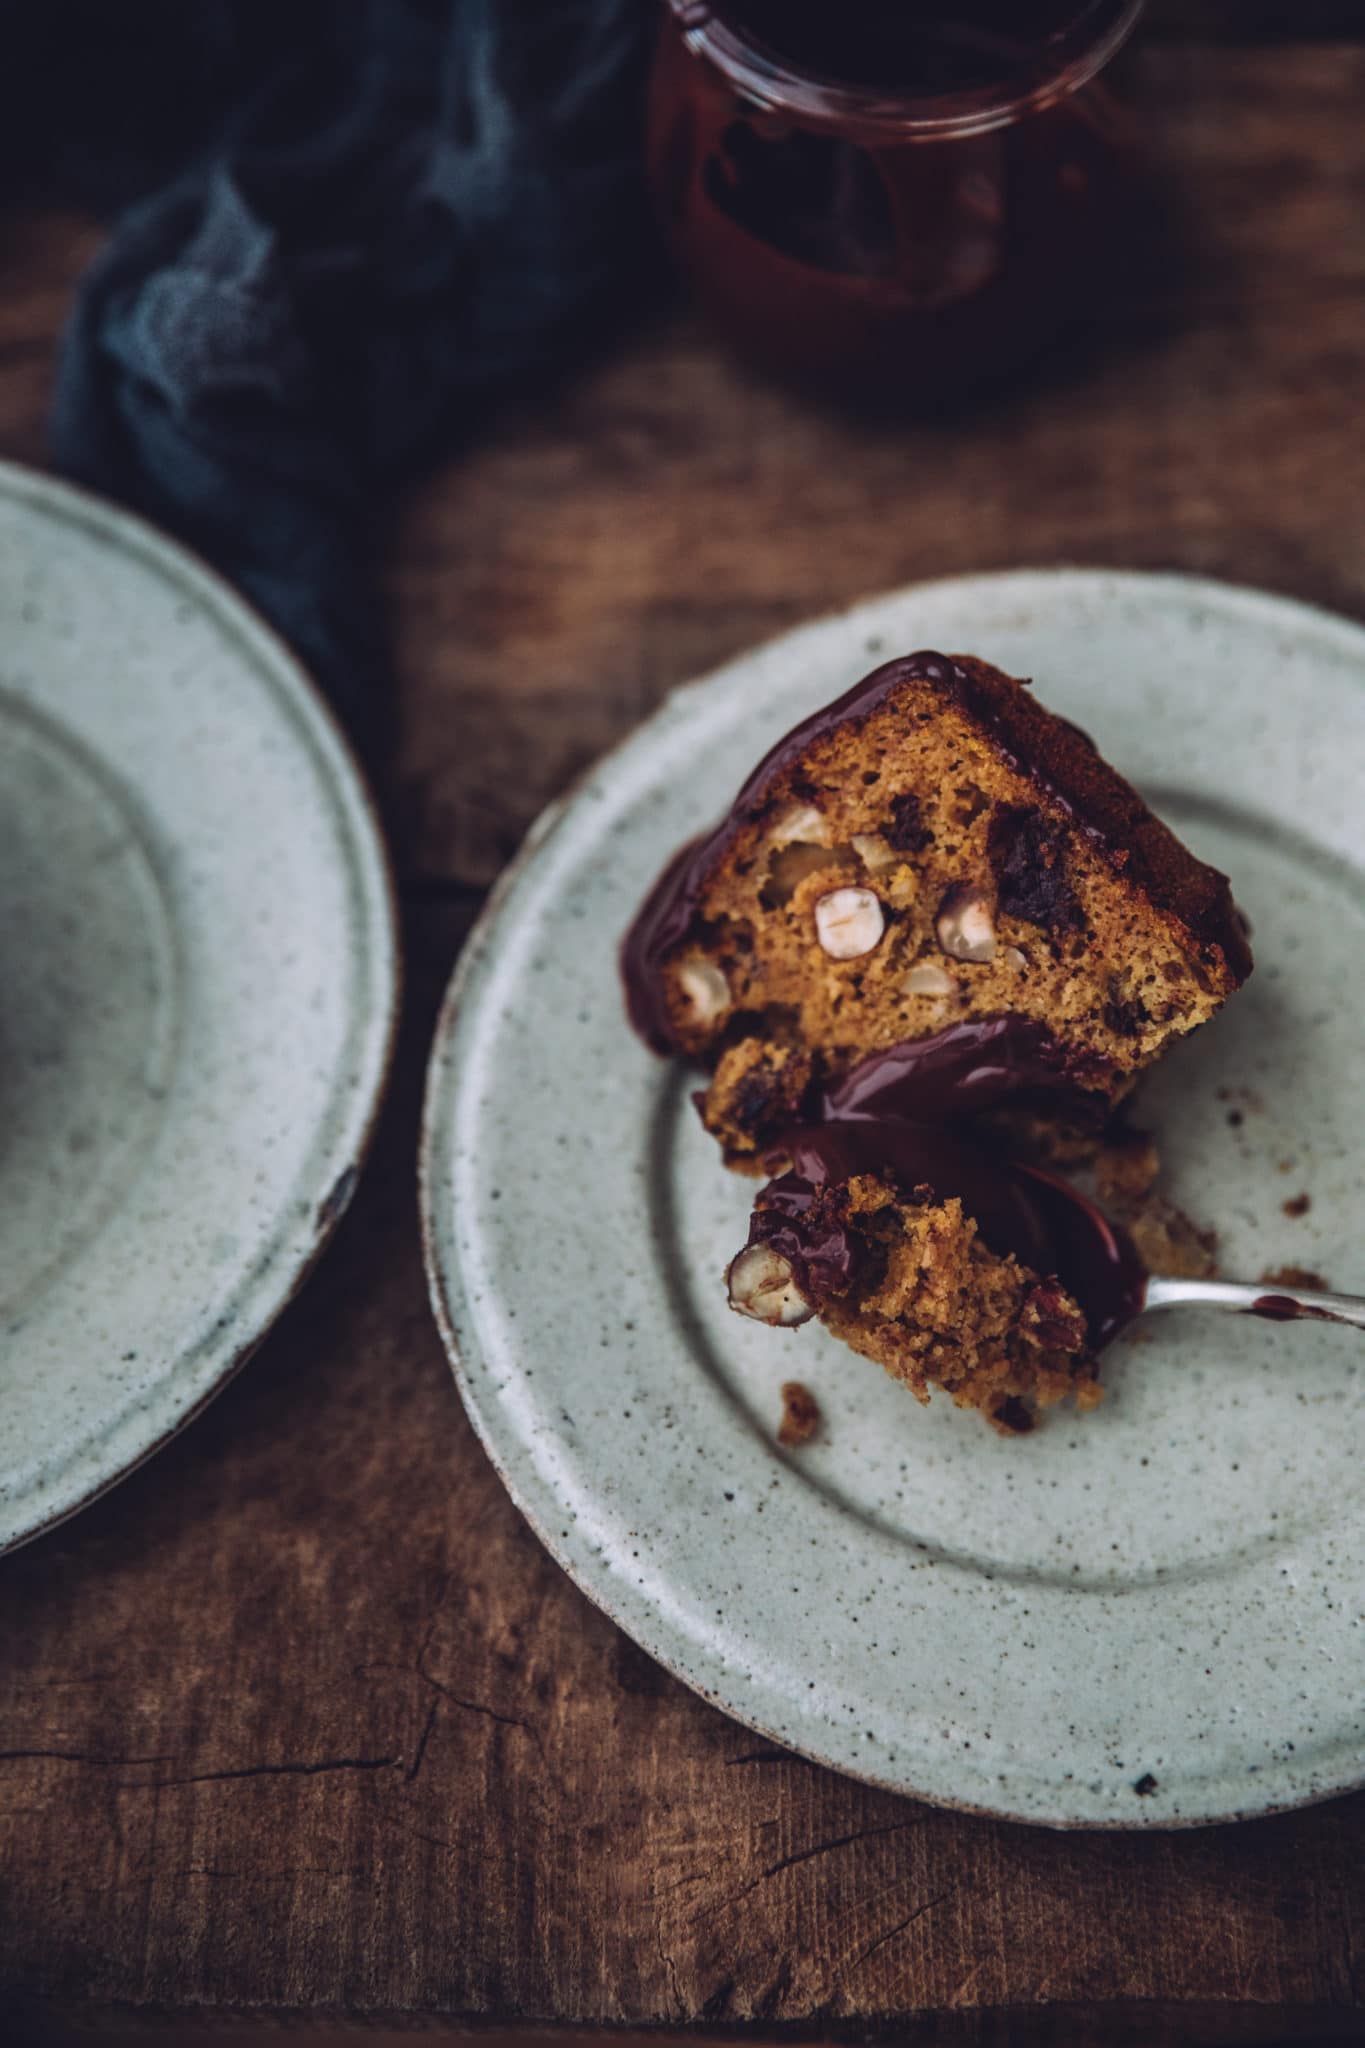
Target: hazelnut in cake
936,939
932,850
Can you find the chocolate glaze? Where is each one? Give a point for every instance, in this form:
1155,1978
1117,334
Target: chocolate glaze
821,1251
1282,1308
1055,755
961,1070
1010,1216
1047,1224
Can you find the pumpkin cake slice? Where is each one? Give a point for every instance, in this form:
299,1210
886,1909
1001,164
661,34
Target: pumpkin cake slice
932,852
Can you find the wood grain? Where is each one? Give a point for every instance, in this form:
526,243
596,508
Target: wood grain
301,1720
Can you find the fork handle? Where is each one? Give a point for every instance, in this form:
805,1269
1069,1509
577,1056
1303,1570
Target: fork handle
1267,1299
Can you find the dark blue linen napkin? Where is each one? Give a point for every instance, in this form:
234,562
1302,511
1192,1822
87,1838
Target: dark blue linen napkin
352,226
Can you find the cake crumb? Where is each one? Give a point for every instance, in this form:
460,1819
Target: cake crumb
1296,1276
1126,1167
800,1415
1012,1417
1297,1205
1171,1242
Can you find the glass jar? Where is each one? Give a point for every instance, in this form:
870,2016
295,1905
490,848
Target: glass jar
901,196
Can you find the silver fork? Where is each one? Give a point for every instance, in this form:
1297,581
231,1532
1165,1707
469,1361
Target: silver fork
1271,1301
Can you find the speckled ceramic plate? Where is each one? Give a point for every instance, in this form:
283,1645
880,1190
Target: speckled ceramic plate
197,987
1149,1617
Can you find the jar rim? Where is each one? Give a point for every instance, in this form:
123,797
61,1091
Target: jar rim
776,86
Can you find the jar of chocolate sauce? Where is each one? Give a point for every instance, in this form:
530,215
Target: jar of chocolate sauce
899,195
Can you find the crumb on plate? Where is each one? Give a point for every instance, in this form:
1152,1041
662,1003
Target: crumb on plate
800,1415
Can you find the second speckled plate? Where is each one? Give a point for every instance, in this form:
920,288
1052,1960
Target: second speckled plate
1149,1617
198,981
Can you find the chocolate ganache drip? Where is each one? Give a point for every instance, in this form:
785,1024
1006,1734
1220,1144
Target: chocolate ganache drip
901,1115
977,1065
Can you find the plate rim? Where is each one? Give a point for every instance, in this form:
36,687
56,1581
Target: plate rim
116,525
441,1264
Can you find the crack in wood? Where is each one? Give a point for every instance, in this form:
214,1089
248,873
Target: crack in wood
892,1932
286,1770
839,1842
670,1968
415,1766
79,1756
391,1820
477,1707
424,1677
796,1856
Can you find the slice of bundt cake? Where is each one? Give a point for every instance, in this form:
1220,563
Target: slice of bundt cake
935,850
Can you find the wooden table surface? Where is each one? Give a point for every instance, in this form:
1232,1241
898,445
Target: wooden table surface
301,1720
